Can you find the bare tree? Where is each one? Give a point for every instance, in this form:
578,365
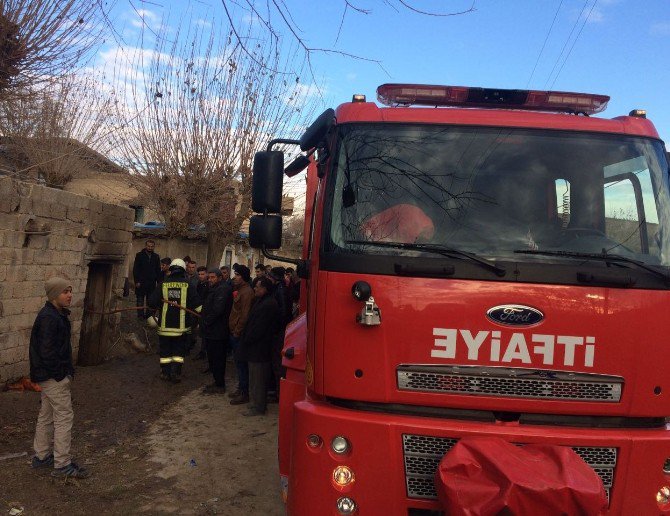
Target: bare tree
42,39
50,133
293,230
197,110
277,18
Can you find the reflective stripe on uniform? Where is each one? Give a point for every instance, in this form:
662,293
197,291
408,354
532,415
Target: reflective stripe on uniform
182,313
164,310
171,332
179,360
166,360
163,330
198,309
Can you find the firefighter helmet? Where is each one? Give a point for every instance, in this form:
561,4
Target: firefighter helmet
178,262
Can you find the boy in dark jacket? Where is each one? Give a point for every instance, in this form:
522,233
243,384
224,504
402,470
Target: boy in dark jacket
256,344
51,367
214,328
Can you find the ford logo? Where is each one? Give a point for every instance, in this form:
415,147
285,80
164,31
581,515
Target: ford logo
515,315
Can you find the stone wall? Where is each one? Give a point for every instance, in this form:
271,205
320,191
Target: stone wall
46,232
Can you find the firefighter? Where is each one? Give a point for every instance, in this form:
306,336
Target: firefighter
172,296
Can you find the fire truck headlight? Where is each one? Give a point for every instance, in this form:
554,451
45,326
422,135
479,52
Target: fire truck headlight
346,505
663,495
340,445
343,476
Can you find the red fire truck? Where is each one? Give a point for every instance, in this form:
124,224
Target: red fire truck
477,262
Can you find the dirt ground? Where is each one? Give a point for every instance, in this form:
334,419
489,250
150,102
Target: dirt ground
152,447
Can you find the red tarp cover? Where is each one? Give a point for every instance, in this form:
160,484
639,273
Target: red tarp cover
400,223
489,476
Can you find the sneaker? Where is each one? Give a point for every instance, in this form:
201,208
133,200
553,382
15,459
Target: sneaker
240,400
235,393
72,470
46,461
252,413
213,389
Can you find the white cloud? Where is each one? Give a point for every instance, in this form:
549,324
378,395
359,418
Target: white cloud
203,23
596,16
146,18
146,13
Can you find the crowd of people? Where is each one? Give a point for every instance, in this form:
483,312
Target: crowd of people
232,313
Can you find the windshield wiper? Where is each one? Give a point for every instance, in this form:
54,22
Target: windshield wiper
603,257
436,249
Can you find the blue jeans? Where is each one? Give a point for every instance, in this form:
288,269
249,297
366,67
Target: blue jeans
241,366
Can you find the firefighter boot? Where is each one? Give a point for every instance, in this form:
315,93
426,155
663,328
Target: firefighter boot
176,372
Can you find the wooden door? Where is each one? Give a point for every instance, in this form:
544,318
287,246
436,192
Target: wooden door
93,342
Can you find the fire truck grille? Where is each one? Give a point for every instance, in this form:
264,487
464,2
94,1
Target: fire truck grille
422,454
510,382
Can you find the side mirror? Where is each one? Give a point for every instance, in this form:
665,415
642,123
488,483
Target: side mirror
316,132
265,231
267,182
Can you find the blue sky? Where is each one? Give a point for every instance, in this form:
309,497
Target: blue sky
621,49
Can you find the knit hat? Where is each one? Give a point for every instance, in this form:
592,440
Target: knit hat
244,272
215,270
55,286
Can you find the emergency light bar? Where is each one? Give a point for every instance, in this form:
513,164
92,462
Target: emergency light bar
427,95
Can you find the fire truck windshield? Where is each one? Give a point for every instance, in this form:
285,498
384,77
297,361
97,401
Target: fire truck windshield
493,191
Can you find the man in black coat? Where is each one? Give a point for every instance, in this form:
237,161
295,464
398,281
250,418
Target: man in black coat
256,345
146,271
214,328
51,367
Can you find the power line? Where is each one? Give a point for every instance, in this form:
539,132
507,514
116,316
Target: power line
573,43
558,59
544,44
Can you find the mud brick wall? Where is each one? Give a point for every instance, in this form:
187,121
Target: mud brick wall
45,232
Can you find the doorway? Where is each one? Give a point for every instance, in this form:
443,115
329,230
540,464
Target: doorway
94,326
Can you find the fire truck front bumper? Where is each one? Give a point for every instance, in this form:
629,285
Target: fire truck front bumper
346,461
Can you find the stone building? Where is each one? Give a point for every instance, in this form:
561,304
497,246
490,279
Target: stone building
47,232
